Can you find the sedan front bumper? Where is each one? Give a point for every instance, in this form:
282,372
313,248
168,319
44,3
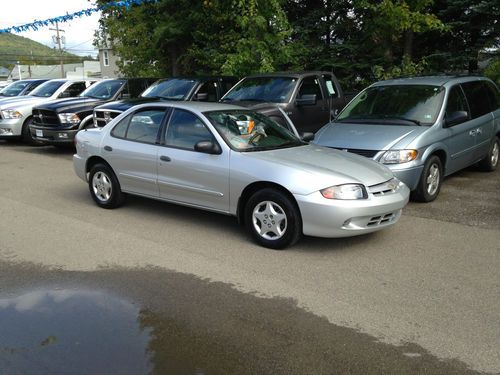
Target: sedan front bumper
323,217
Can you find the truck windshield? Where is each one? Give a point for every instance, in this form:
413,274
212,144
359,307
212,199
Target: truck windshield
103,90
171,89
262,89
395,104
47,89
251,131
14,89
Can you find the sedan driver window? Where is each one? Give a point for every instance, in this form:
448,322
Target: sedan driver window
185,130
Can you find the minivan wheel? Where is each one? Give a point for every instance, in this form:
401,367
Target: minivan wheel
272,219
490,162
430,181
104,187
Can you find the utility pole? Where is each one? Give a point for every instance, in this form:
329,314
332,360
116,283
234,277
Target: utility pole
58,41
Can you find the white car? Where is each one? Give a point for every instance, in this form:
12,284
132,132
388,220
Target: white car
16,112
235,161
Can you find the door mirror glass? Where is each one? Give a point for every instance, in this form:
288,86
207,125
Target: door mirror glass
208,147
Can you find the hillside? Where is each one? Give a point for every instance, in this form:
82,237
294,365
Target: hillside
15,48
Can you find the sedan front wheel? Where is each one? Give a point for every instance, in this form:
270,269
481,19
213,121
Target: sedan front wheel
104,187
272,219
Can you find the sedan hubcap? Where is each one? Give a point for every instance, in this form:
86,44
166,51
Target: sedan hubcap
269,220
433,179
101,184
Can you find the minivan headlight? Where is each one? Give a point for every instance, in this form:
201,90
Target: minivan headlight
11,113
347,191
69,118
398,156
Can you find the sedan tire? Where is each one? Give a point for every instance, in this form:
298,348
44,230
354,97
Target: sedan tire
104,187
273,219
490,162
430,181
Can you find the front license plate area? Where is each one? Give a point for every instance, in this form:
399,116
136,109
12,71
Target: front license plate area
39,133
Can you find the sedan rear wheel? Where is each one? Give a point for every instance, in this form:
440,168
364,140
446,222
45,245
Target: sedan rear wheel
104,187
430,181
272,219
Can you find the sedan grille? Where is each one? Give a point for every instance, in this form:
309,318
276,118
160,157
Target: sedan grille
380,220
384,188
366,153
44,117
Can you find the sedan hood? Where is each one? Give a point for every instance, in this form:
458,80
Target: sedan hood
367,137
314,167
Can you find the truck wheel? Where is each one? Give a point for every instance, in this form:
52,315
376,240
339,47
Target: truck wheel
430,181
490,162
26,133
272,219
104,187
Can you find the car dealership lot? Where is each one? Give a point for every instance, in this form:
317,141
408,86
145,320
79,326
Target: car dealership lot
432,280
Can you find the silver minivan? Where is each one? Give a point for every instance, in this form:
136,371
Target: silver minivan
422,128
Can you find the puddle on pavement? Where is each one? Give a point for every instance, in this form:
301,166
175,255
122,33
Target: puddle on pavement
71,331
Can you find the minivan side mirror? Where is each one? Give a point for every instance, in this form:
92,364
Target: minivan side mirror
455,118
309,99
208,147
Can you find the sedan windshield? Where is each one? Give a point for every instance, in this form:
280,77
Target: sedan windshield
171,89
251,131
103,90
14,89
395,104
47,89
262,89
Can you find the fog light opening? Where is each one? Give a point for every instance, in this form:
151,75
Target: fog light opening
62,135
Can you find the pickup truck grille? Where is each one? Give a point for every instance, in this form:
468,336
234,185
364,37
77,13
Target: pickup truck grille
366,153
102,117
44,117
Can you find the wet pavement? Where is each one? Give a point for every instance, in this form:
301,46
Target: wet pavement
155,321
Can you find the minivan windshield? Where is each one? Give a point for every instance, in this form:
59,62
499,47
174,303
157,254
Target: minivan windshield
103,90
47,89
251,131
395,104
262,89
170,89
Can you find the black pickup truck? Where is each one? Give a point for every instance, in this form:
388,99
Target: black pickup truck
206,89
309,99
58,121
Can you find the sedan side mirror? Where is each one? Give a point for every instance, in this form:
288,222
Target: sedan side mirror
208,147
455,118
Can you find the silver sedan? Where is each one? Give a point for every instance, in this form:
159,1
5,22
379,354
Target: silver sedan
230,160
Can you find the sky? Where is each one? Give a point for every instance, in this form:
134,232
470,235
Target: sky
79,33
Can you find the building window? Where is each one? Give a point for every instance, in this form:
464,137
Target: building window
105,58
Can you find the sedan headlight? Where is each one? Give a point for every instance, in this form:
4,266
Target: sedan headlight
69,118
398,156
11,113
347,191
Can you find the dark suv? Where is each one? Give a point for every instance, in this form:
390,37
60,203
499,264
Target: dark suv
203,89
58,121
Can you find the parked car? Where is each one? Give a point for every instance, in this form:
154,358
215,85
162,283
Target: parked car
231,160
309,99
16,112
20,88
57,122
202,89
422,128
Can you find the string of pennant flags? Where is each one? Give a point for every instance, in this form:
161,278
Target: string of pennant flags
35,25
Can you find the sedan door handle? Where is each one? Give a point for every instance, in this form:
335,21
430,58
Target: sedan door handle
165,158
108,148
